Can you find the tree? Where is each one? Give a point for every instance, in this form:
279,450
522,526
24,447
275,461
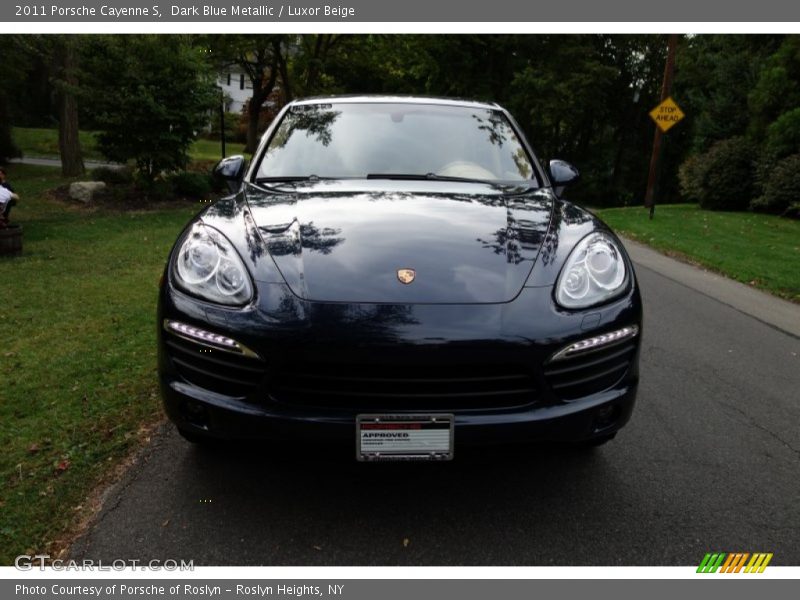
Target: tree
777,89
14,72
262,58
715,74
26,71
585,98
152,95
65,78
8,148
316,50
58,56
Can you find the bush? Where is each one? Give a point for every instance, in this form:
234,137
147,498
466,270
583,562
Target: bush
233,132
189,184
783,136
112,175
202,165
691,175
723,178
781,189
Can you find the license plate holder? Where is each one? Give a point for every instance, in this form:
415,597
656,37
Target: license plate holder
404,437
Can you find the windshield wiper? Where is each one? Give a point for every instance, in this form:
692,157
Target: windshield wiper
290,178
427,177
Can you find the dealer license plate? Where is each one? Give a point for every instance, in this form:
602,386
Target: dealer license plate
404,437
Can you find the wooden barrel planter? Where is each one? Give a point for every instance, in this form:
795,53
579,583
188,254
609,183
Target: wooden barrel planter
11,240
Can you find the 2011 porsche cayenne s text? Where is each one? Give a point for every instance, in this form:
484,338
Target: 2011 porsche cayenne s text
400,274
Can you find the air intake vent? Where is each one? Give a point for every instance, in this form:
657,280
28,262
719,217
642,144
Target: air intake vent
590,372
216,370
405,388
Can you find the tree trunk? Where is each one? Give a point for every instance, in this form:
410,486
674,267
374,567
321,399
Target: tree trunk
283,68
68,142
253,111
261,92
8,148
314,61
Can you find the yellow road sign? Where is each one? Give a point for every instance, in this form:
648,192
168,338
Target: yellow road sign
666,114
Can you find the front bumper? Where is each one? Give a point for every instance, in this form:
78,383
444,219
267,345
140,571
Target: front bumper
285,331
205,413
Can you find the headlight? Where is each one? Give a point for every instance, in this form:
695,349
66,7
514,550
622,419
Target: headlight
594,272
208,266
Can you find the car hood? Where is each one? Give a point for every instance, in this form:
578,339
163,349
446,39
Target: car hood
344,242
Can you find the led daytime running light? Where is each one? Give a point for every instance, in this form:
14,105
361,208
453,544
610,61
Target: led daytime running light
597,342
207,338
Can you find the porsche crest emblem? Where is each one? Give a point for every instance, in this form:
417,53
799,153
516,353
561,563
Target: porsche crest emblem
406,276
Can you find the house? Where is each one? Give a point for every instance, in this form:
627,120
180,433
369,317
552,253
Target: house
237,87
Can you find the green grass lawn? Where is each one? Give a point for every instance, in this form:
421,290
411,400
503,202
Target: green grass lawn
43,143
77,357
204,149
761,250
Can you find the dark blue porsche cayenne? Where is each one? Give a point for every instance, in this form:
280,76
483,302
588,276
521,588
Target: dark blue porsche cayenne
399,274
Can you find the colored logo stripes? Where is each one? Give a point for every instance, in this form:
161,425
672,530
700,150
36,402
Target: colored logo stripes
734,562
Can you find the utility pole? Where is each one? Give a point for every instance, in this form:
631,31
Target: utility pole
655,157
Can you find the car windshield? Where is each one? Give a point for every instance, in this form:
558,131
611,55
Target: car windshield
360,140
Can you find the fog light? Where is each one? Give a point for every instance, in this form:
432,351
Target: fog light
195,413
207,338
605,417
597,342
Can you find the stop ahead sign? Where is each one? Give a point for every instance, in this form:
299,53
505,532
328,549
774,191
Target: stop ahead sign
667,114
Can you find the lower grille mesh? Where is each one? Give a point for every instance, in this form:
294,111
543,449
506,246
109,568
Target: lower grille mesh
215,370
590,372
372,387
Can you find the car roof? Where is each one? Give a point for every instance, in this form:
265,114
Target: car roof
395,99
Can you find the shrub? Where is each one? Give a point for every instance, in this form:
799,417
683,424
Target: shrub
691,175
723,178
233,132
202,165
781,188
112,175
793,212
153,190
189,184
783,136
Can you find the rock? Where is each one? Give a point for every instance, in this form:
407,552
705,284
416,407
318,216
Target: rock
85,191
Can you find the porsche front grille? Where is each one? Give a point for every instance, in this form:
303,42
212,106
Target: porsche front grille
405,388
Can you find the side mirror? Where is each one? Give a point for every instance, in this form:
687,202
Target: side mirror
231,170
562,174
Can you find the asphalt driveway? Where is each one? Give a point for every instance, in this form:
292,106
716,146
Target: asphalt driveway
710,461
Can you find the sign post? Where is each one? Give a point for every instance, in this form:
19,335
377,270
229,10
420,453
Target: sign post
665,115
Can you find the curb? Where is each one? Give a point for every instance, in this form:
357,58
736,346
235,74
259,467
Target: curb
769,309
